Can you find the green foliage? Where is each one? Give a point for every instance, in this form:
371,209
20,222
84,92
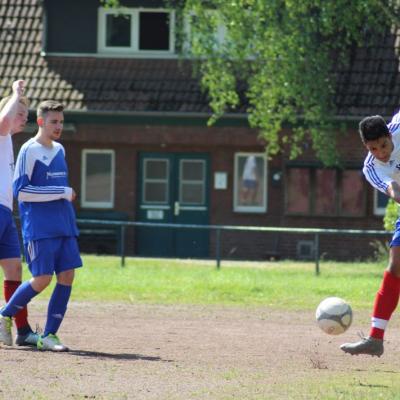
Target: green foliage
283,52
381,247
110,3
391,215
381,251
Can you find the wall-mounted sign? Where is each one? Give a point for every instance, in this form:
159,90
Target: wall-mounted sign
155,214
220,180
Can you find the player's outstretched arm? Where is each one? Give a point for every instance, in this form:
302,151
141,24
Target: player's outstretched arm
9,111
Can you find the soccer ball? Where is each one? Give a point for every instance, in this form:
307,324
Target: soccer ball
334,315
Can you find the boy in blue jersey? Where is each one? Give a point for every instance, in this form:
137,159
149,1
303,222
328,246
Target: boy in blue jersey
13,117
48,222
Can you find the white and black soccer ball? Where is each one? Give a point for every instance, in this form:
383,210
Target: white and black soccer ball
334,315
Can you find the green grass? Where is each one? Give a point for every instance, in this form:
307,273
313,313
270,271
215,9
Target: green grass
280,285
370,385
285,285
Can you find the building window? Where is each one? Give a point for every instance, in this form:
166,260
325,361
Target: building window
352,191
192,182
380,202
250,189
324,192
298,190
98,174
156,181
136,31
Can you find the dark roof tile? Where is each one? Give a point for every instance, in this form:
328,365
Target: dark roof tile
370,84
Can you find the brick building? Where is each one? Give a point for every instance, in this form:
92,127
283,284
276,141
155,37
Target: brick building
139,149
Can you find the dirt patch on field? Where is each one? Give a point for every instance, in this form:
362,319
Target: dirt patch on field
124,351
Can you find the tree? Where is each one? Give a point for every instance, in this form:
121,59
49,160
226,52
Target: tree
285,52
278,58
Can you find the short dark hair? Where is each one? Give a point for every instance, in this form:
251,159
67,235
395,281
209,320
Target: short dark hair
372,128
48,105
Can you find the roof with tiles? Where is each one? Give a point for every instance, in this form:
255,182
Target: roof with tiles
371,84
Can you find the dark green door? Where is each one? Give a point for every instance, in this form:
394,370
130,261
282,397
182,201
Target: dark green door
173,188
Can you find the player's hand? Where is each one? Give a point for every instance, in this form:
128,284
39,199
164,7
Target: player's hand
18,87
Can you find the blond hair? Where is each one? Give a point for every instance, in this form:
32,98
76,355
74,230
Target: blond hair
23,100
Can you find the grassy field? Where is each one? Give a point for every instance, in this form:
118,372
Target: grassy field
285,285
276,285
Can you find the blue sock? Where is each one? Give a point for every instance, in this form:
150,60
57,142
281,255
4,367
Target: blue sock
57,308
21,297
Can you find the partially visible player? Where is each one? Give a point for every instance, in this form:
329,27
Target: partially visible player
382,170
48,224
13,118
249,184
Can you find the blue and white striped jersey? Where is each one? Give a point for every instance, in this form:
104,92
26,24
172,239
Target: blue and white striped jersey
44,196
379,174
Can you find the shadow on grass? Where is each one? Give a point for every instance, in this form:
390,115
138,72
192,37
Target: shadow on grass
114,356
95,354
371,386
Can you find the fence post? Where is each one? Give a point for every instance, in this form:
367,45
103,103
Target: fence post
316,250
122,237
218,248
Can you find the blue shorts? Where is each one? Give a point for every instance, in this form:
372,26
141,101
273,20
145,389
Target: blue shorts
9,241
250,183
396,235
53,255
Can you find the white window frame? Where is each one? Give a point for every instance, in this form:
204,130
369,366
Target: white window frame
203,181
248,208
97,204
134,48
378,210
166,180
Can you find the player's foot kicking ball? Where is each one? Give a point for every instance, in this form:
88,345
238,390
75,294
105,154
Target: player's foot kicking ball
5,331
50,342
30,339
367,345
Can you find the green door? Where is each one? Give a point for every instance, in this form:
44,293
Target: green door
173,188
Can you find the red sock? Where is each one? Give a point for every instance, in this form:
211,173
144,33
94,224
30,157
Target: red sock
21,318
385,303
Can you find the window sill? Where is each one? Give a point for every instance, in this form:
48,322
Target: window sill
144,55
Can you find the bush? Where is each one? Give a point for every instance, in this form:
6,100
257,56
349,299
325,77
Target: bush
391,215
381,248
381,251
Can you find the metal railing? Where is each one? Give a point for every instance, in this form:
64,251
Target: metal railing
316,232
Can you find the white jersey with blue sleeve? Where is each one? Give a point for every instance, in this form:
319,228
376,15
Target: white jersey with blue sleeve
44,196
380,174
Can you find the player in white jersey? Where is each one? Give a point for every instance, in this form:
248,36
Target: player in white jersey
382,170
13,118
48,222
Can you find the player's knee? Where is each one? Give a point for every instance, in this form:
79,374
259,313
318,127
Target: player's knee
39,283
12,269
66,277
394,268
